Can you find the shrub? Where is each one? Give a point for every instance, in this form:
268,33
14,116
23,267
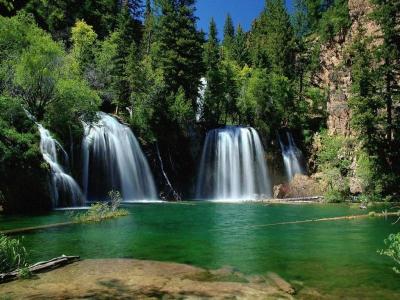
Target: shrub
12,254
24,273
393,250
101,211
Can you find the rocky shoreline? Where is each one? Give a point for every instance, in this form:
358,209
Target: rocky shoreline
138,279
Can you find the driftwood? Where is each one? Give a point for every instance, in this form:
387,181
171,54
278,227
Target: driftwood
27,229
41,267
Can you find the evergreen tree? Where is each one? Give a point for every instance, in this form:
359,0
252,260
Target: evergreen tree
279,38
240,52
214,93
229,35
387,54
179,51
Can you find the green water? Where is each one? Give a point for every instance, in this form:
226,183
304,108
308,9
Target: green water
338,257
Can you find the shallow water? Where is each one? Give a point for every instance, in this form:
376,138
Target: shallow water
338,257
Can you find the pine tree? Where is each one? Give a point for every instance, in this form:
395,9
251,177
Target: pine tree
279,38
229,36
386,14
240,51
214,93
180,49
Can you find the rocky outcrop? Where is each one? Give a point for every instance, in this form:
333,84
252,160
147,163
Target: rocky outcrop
300,186
335,73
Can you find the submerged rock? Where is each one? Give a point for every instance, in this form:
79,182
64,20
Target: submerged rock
136,279
281,283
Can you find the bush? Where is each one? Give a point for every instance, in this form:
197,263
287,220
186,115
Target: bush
12,254
334,162
393,250
24,273
102,211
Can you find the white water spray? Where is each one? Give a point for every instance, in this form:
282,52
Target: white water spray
233,166
292,157
113,160
64,189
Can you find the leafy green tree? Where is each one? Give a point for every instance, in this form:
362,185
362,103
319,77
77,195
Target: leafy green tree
58,17
36,73
83,40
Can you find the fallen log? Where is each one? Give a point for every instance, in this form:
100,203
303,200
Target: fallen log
297,199
332,219
41,267
27,229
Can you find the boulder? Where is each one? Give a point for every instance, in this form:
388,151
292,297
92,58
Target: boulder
300,186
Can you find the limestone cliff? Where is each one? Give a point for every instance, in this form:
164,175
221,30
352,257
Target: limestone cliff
335,72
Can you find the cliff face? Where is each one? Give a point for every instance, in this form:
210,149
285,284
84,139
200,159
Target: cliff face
335,74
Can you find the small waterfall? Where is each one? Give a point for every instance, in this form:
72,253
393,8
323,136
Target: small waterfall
113,160
292,156
200,99
64,189
233,166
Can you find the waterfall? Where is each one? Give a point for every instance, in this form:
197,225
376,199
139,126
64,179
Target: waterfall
200,99
292,156
64,190
113,160
233,166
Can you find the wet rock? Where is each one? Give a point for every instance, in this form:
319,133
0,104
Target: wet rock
281,283
280,191
136,279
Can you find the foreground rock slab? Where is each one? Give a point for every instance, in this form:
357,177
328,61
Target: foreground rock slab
137,279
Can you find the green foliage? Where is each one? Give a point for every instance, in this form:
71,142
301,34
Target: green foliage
13,254
116,199
240,51
83,40
99,212
333,160
20,159
335,21
279,38
179,51
393,250
214,93
180,108
24,273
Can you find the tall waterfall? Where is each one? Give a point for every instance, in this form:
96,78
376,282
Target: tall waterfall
233,166
113,160
292,156
65,191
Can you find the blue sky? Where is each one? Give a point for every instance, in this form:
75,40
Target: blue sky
242,11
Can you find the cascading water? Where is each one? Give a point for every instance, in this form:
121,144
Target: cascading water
200,99
233,166
113,160
292,156
64,189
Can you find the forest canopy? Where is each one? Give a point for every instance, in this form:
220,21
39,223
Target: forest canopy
146,61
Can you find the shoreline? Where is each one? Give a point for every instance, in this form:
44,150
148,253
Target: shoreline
131,278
